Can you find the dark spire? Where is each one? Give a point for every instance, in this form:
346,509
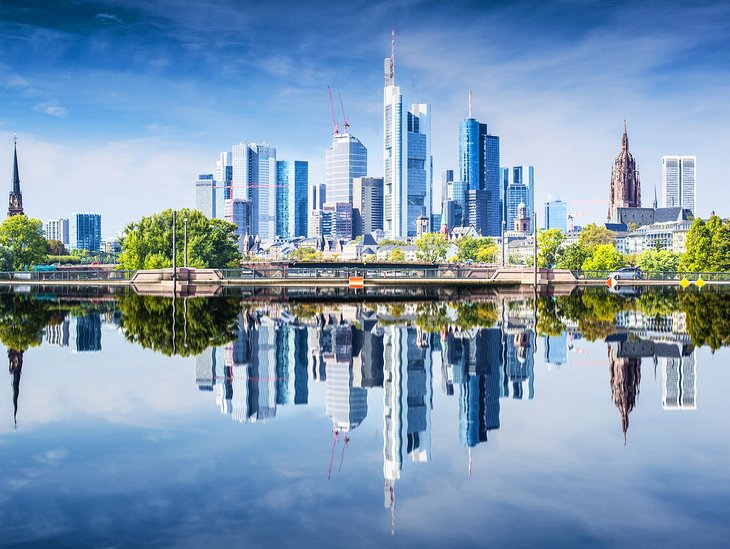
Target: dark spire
15,201
16,177
15,359
625,139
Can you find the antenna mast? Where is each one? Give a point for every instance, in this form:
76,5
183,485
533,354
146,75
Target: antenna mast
392,56
345,123
335,127
469,103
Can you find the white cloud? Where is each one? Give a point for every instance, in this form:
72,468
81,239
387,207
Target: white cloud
52,108
108,17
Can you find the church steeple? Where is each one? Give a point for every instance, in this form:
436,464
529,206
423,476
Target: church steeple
625,139
15,201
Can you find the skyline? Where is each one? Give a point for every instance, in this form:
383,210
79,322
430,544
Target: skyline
86,87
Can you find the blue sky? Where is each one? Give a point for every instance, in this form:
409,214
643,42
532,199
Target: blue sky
119,105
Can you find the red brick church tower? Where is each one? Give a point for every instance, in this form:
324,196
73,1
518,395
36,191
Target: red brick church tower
625,184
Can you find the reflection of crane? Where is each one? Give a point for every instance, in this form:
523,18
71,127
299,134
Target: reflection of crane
335,127
345,123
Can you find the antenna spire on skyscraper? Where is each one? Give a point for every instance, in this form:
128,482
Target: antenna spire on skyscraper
469,103
392,56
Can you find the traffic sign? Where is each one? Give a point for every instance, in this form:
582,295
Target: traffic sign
684,282
356,282
700,283
611,282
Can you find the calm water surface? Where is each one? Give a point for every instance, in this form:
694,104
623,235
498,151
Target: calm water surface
459,424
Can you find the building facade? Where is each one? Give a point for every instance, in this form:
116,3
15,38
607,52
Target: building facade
58,229
345,160
679,182
15,200
520,190
85,231
556,215
408,165
253,178
239,213
292,184
205,196
625,190
367,205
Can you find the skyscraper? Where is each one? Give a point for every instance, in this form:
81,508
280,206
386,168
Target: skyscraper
85,231
346,159
15,201
205,195
408,166
292,184
447,176
556,215
238,212
367,205
678,182
317,199
520,190
253,178
625,190
503,184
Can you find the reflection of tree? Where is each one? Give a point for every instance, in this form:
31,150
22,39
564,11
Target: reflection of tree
434,317
625,381
708,322
549,319
149,322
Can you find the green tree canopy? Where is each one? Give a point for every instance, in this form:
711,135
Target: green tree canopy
572,257
432,247
23,236
594,235
549,243
147,244
720,258
56,247
604,258
396,255
481,250
658,260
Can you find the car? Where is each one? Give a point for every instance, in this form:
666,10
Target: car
627,273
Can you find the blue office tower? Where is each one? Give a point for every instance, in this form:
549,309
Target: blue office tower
292,185
494,217
85,231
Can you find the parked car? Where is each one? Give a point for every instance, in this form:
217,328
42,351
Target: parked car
627,273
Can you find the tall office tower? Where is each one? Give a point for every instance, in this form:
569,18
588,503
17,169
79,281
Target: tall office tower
679,381
345,405
253,178
340,220
58,229
478,210
223,181
367,205
205,195
238,212
479,169
447,176
346,159
625,190
408,165
458,193
317,199
85,231
15,201
679,182
520,190
556,215
503,184
292,186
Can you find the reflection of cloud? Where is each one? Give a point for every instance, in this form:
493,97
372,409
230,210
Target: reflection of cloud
52,457
52,108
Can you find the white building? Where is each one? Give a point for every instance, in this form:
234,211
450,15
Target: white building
58,229
679,180
408,165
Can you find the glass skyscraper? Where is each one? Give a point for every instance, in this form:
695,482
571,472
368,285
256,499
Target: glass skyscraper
521,189
292,184
407,161
346,159
479,170
85,231
556,215
205,195
253,178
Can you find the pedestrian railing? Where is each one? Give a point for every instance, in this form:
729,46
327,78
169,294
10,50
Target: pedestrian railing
659,275
64,275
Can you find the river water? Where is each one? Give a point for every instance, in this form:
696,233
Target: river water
590,420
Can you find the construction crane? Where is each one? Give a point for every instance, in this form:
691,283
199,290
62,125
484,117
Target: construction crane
345,123
335,127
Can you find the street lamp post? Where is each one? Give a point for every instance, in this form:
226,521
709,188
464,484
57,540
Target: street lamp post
174,253
186,242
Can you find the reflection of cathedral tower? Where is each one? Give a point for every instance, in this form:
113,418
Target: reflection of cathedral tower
15,361
679,384
625,186
625,381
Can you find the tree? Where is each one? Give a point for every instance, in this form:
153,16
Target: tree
549,243
593,235
721,248
572,257
56,247
305,253
697,256
396,255
23,236
432,247
482,249
658,260
604,258
6,259
147,244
